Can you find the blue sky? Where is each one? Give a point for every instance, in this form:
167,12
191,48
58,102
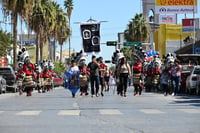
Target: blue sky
116,12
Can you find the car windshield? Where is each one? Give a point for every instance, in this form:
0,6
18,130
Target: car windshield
197,71
187,68
5,71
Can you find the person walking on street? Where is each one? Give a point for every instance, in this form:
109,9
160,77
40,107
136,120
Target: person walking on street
107,73
101,74
123,72
83,78
73,68
164,82
93,68
175,73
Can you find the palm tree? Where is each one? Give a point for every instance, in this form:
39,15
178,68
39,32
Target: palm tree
42,22
68,4
128,53
49,21
21,7
5,42
63,33
137,30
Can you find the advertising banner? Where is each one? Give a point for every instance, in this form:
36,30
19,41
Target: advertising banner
167,19
188,25
175,6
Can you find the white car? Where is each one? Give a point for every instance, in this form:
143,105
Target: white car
198,86
2,84
191,81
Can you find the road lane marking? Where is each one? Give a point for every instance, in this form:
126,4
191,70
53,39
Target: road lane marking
110,112
69,112
1,112
75,105
151,111
29,113
190,111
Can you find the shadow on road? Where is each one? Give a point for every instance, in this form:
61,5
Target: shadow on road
191,100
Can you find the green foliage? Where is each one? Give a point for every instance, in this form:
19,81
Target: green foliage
59,68
5,42
128,53
137,30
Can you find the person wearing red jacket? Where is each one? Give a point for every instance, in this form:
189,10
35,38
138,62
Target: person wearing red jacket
29,68
52,74
137,73
39,74
20,77
83,79
47,77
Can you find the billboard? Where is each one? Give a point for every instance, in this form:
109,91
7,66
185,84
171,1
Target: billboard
167,19
175,6
188,25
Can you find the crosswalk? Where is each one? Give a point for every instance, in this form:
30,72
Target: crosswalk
105,112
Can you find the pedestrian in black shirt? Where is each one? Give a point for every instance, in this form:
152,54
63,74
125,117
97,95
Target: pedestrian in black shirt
93,68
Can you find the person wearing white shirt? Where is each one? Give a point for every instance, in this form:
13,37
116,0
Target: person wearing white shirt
73,68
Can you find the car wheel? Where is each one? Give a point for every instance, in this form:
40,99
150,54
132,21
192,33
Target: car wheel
197,90
0,91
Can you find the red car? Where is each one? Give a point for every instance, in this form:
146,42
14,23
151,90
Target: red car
58,81
185,72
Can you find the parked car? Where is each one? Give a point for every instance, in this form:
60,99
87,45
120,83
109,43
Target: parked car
9,75
198,86
185,72
2,84
58,80
191,82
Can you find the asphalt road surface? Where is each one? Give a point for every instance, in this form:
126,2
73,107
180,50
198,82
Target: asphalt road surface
58,112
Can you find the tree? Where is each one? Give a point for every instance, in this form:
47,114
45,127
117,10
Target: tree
128,53
68,4
137,30
5,42
59,68
21,7
63,34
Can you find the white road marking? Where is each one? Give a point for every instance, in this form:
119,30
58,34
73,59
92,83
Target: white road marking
69,112
190,111
110,112
1,112
75,105
29,113
151,111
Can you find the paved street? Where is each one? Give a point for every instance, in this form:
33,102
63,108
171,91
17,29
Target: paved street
57,112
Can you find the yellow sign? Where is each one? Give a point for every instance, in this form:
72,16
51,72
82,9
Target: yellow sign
176,2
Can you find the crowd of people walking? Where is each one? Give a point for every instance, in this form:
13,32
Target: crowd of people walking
97,76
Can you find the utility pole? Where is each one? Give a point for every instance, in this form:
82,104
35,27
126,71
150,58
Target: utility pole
193,26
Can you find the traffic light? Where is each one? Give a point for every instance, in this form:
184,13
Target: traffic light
111,43
90,36
107,61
